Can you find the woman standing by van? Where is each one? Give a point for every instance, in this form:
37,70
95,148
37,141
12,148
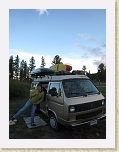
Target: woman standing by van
36,96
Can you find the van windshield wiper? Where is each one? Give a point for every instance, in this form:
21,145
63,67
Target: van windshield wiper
80,94
93,92
84,95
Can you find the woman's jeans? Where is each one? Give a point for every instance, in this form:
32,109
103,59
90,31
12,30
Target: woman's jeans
33,108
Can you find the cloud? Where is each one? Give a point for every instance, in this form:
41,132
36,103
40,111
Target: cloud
76,63
90,51
27,56
93,51
97,62
81,47
87,37
96,51
102,44
42,11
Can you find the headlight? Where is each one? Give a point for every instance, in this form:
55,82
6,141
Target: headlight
103,102
72,109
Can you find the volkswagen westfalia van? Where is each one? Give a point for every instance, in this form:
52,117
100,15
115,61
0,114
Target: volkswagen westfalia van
71,100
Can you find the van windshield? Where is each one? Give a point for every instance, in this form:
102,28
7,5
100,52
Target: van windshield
79,87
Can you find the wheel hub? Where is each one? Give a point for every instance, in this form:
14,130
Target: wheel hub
53,122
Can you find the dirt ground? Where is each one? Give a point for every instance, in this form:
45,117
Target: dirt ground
20,131
85,132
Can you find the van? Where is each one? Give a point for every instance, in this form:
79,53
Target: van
71,100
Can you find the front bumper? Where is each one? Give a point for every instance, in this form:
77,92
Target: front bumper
76,125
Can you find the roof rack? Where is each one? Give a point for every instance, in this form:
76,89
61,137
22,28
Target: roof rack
43,72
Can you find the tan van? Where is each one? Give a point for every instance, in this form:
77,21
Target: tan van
71,100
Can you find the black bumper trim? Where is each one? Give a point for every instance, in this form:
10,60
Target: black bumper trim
71,126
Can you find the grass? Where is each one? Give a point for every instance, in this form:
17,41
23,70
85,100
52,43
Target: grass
101,87
21,131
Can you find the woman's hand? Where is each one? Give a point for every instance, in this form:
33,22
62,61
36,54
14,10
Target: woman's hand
37,93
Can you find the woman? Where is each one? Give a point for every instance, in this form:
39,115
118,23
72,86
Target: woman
36,96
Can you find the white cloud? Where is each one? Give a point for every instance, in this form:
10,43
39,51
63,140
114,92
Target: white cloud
97,62
87,37
102,44
90,51
96,51
27,56
42,11
76,63
82,47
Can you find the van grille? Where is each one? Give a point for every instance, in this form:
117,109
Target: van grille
88,115
88,106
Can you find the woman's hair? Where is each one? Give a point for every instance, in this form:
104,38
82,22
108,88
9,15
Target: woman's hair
39,84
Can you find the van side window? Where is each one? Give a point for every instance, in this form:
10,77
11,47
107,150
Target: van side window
54,87
33,85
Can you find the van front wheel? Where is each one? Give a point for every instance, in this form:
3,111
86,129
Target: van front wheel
53,123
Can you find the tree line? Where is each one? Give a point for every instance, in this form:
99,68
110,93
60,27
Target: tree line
99,76
20,70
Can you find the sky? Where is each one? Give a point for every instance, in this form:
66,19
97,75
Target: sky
78,36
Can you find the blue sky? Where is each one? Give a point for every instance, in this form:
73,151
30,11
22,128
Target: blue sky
78,36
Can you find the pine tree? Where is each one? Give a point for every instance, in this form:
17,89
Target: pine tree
21,70
16,66
56,60
32,64
11,67
25,71
43,62
84,69
102,72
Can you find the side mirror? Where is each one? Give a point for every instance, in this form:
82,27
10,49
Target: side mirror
59,92
53,92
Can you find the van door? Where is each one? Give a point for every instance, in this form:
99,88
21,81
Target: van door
55,99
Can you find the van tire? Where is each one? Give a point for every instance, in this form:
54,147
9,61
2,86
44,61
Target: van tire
54,125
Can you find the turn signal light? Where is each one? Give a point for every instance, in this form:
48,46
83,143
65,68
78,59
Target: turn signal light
104,110
67,118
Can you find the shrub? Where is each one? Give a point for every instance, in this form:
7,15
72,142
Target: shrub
18,89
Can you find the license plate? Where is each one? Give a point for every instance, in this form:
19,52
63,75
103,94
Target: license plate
93,122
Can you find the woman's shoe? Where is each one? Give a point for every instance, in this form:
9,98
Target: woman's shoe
11,123
33,124
14,119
